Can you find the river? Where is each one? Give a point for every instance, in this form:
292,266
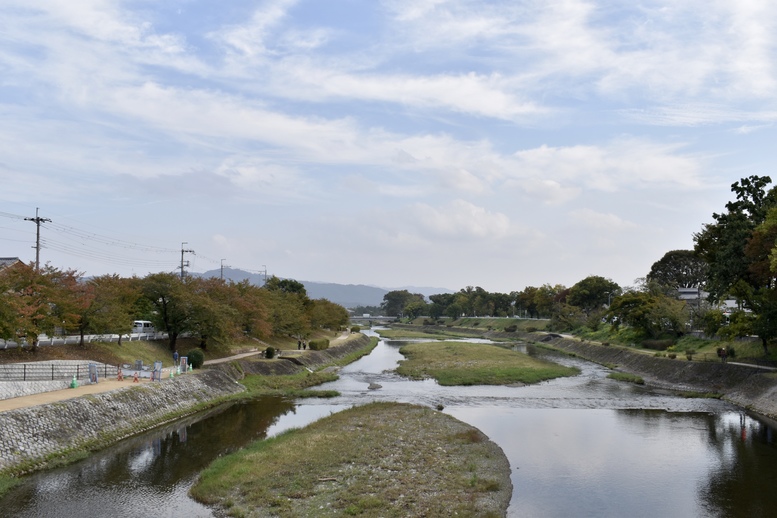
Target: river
581,446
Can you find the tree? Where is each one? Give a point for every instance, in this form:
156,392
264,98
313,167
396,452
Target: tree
592,293
722,244
394,302
211,315
35,301
328,315
655,314
679,269
170,299
738,248
285,286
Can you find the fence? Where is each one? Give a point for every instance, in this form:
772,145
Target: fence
52,371
44,340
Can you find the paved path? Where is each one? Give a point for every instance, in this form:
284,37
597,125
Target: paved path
53,396
106,385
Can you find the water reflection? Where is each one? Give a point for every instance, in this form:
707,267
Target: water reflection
148,475
582,446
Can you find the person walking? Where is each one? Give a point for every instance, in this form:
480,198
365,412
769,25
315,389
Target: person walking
175,357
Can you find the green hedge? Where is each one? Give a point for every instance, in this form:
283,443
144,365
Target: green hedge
196,357
318,344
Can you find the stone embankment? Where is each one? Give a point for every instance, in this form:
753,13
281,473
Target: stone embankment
747,386
37,437
293,364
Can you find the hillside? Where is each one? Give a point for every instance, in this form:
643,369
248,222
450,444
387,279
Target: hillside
347,295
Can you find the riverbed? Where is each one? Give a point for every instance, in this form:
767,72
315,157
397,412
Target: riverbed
580,446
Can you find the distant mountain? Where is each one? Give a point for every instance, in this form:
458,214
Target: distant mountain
347,295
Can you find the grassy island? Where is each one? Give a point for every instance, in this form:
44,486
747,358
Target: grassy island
463,363
381,459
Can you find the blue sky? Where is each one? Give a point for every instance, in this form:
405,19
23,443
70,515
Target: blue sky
500,144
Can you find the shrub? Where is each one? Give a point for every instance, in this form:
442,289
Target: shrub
531,329
356,329
428,322
511,329
657,345
269,352
196,358
318,344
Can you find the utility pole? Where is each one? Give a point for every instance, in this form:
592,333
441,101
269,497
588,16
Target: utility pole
183,265
265,273
222,269
38,221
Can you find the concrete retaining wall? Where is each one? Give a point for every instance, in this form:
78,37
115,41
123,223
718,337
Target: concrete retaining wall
32,437
749,387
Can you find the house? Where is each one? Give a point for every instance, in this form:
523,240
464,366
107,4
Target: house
7,262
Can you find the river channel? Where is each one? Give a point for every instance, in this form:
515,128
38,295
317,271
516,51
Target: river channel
581,446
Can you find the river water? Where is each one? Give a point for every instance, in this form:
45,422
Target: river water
582,446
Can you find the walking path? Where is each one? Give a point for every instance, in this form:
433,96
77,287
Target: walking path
106,385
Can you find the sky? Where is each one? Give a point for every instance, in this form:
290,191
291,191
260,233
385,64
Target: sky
446,143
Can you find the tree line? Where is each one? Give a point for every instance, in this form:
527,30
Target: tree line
43,301
726,285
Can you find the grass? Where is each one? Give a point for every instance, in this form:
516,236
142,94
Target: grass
381,459
700,395
115,354
462,363
625,376
393,334
293,385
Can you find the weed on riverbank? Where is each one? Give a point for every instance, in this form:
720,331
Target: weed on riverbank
625,376
461,363
381,459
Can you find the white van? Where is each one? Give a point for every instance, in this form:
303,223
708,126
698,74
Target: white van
143,326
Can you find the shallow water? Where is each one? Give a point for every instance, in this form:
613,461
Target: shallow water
582,446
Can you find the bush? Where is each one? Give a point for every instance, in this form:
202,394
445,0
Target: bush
269,352
319,344
511,329
196,358
531,329
657,345
428,322
356,329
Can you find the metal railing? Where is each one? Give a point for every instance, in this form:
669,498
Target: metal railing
44,340
49,371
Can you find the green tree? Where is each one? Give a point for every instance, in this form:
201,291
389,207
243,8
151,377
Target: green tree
738,248
327,315
679,269
394,302
653,313
591,293
171,301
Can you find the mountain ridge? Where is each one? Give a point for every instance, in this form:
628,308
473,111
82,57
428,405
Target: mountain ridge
347,295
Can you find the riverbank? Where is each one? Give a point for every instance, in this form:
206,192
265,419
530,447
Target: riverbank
748,387
43,436
380,459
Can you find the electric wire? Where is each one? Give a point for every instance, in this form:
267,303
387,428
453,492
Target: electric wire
104,249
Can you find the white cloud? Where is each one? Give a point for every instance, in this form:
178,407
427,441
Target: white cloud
460,220
599,221
621,164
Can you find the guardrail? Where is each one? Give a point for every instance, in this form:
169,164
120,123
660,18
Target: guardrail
44,340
